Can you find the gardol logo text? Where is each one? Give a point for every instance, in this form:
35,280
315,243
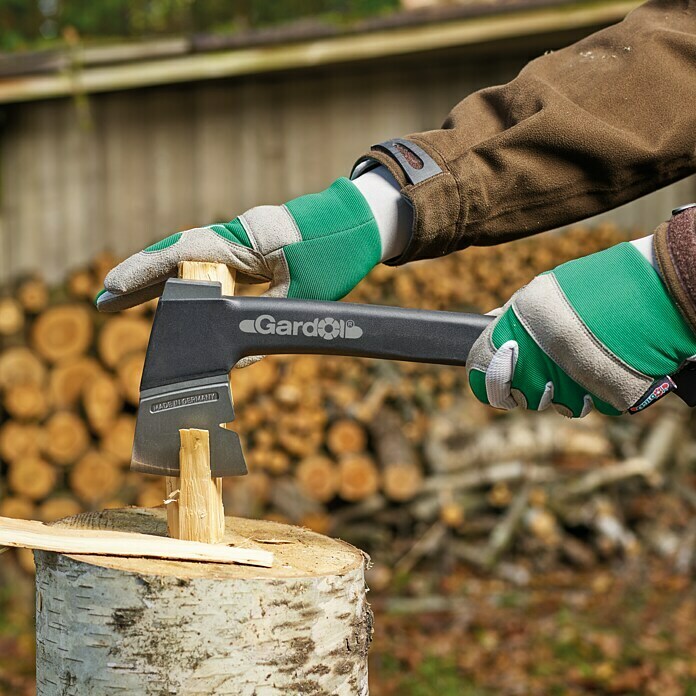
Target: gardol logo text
327,328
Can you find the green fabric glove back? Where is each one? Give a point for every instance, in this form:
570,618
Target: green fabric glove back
597,331
318,246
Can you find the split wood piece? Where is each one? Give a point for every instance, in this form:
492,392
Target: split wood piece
305,620
452,513
11,316
63,332
304,369
105,542
120,336
319,522
402,477
33,295
21,366
201,513
222,274
504,532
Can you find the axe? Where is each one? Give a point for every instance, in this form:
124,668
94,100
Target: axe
198,335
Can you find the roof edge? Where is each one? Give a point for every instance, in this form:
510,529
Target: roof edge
123,67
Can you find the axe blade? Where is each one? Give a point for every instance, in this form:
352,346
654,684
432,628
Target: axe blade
204,403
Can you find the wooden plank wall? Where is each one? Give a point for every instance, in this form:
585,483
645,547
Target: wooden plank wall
120,170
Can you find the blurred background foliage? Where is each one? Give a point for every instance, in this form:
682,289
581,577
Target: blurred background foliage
35,24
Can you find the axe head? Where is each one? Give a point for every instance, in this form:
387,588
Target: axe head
185,384
203,403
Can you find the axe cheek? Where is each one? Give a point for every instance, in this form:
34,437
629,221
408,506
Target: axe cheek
205,404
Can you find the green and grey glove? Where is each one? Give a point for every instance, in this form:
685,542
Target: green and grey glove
598,331
318,246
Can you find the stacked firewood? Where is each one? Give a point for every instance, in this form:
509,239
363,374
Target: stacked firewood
396,457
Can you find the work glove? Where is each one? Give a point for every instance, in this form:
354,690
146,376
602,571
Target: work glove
318,246
601,331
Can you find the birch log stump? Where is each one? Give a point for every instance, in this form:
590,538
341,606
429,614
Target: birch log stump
108,625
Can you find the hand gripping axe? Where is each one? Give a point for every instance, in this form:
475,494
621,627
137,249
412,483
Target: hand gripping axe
198,335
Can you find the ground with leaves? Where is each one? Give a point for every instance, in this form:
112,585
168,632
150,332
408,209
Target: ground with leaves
623,630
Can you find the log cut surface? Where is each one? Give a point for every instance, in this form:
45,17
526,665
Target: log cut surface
140,626
297,552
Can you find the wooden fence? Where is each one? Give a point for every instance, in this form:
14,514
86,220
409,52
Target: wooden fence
118,170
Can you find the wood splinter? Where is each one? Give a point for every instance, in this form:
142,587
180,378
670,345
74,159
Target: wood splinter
196,512
201,513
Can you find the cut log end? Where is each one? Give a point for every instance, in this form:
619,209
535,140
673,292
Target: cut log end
31,477
33,295
11,316
63,332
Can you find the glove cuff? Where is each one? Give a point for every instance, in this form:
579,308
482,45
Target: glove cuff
675,252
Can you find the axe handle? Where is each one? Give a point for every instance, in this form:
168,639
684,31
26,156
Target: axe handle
258,325
236,327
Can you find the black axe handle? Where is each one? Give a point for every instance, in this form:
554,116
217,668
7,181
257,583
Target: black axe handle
198,333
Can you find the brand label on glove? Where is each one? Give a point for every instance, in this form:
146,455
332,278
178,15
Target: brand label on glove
660,387
327,328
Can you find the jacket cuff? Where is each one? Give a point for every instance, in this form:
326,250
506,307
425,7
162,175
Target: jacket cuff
431,189
675,251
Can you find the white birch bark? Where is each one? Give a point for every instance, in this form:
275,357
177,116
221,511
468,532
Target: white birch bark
108,625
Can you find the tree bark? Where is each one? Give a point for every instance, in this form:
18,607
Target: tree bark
108,625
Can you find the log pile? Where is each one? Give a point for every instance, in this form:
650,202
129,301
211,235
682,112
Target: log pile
396,458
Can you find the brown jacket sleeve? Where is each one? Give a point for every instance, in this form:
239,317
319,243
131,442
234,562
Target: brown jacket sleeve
577,132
